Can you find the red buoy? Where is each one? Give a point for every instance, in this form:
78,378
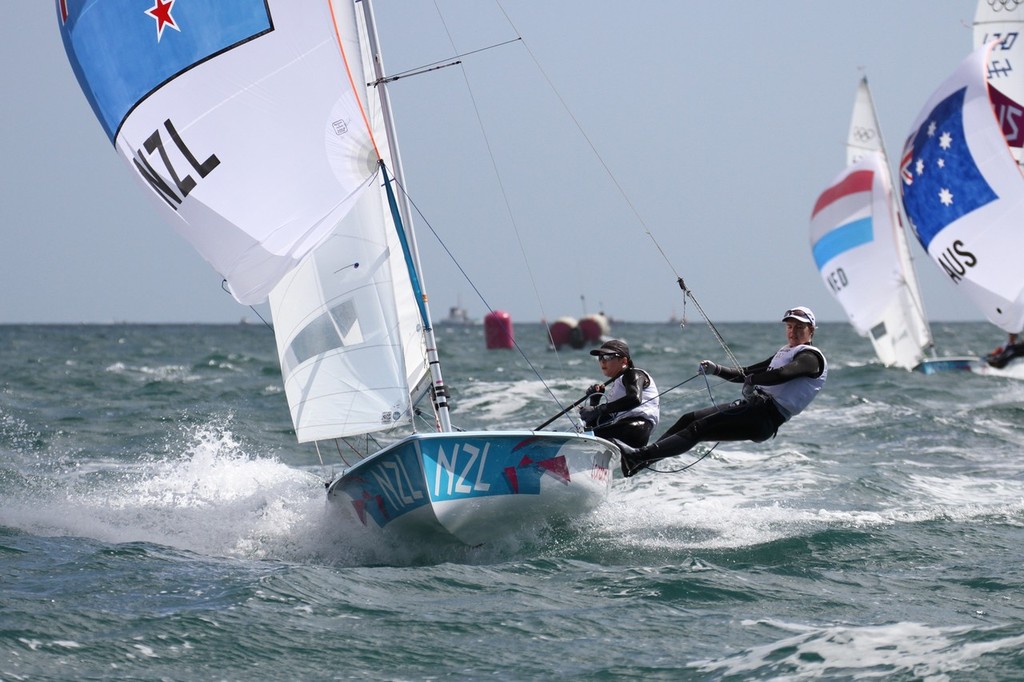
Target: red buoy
565,332
498,330
594,328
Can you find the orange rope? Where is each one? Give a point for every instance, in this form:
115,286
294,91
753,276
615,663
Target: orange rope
351,80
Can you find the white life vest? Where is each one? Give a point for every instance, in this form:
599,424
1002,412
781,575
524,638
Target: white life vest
648,407
794,395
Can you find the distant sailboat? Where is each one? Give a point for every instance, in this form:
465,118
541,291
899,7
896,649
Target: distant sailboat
860,248
964,195
1004,22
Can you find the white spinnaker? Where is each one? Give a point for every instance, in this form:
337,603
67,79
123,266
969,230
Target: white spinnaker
964,194
280,117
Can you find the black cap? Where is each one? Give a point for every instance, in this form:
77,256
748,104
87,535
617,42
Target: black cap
612,347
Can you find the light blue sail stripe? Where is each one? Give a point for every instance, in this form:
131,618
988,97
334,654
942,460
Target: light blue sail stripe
842,239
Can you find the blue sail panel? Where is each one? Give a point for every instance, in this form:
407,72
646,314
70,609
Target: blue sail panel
162,41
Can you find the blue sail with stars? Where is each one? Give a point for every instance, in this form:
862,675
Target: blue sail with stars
940,179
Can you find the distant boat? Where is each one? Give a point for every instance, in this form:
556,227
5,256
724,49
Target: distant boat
964,193
458,317
265,134
860,247
1004,21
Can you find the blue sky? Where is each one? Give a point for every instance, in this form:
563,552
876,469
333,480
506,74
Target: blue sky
697,137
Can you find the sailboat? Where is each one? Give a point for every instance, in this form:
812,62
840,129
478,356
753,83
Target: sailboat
860,248
964,195
1004,22
262,129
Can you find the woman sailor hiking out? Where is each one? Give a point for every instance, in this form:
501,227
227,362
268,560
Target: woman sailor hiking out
774,390
629,412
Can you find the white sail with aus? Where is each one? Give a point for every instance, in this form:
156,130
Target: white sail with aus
1001,25
964,193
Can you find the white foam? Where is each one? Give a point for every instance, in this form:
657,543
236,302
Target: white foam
907,649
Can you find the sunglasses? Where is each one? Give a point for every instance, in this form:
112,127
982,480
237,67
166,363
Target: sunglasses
607,356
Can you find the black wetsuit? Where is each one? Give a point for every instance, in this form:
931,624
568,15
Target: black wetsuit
1000,357
755,417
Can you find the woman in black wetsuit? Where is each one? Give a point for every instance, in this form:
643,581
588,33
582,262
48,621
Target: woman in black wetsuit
774,390
629,412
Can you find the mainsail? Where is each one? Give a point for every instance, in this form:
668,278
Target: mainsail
347,323
860,247
964,195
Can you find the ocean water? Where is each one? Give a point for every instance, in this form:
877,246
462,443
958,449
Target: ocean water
158,521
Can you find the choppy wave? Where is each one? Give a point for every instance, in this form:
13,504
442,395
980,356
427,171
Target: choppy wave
151,487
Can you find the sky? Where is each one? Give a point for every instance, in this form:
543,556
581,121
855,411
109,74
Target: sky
580,169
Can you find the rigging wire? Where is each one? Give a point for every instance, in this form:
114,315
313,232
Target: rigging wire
687,292
477,291
442,63
224,286
501,183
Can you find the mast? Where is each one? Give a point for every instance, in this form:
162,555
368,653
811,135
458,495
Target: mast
902,245
404,225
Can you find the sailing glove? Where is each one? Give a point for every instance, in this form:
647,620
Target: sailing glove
708,367
590,415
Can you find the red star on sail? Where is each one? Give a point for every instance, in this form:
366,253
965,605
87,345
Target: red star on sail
161,11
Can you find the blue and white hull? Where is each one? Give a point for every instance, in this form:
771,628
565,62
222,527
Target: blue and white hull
477,486
962,363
